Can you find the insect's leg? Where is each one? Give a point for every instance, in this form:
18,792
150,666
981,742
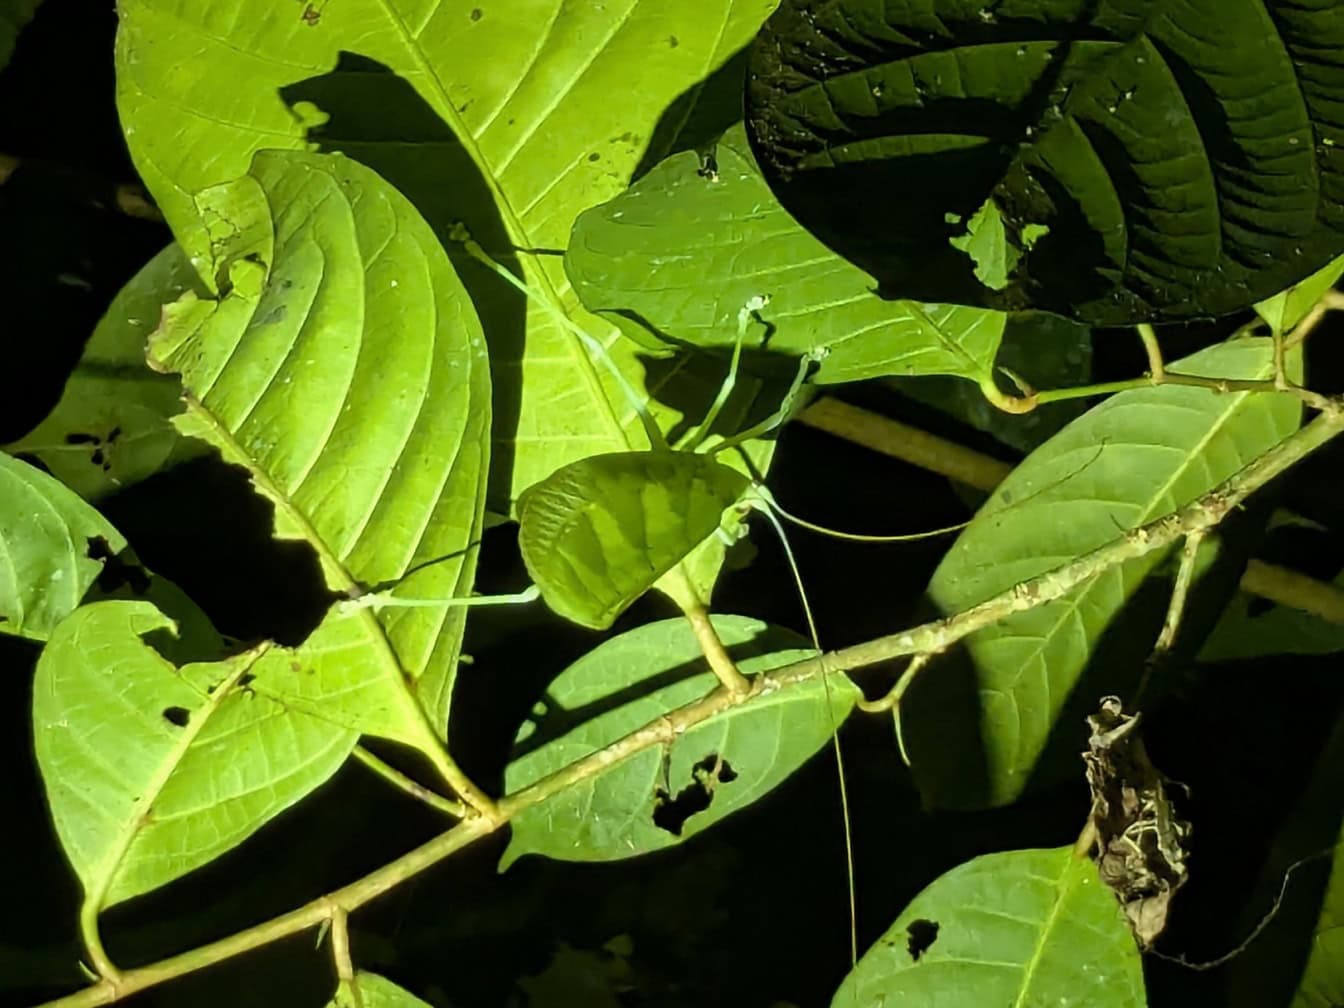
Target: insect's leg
385,600
726,389
775,419
459,233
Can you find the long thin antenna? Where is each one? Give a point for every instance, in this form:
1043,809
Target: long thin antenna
855,536
835,732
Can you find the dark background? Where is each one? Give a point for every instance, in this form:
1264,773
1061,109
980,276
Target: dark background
751,914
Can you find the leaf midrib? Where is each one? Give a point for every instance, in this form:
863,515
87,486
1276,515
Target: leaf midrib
116,855
1062,890
1236,401
515,226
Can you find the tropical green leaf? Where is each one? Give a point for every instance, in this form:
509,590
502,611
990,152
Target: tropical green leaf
112,425
344,369
373,992
1163,160
1242,632
677,256
731,759
1137,456
506,122
1287,308
152,770
1027,927
52,548
14,14
598,533
1046,351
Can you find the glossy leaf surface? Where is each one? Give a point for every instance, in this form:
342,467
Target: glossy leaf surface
112,427
1026,927
372,991
344,369
1133,458
676,257
152,770
52,546
498,114
1148,160
627,682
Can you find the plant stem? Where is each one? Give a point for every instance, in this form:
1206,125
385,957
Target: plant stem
413,788
909,444
928,451
1297,591
1157,370
711,645
340,945
1196,518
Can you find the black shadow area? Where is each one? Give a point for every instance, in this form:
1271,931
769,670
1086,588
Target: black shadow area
376,117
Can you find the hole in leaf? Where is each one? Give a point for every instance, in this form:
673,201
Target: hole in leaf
671,813
923,933
118,571
78,439
178,716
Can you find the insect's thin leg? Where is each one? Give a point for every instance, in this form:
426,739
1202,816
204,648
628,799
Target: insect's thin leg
381,600
726,389
459,233
776,418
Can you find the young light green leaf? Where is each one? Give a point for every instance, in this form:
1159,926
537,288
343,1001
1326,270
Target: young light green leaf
152,770
1183,170
52,549
598,533
506,121
344,369
729,760
986,243
675,258
1243,633
1135,457
1287,308
373,992
1027,927
111,427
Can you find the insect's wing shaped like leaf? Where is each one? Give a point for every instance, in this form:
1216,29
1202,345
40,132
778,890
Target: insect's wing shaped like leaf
600,532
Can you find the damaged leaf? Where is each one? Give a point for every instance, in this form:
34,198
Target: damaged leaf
1025,927
664,794
1140,841
47,536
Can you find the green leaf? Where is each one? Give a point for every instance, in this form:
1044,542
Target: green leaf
112,426
152,770
1046,351
1130,460
1287,308
374,992
676,257
735,757
597,534
49,555
1027,927
986,243
344,369
1187,158
511,126
1242,633
14,14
